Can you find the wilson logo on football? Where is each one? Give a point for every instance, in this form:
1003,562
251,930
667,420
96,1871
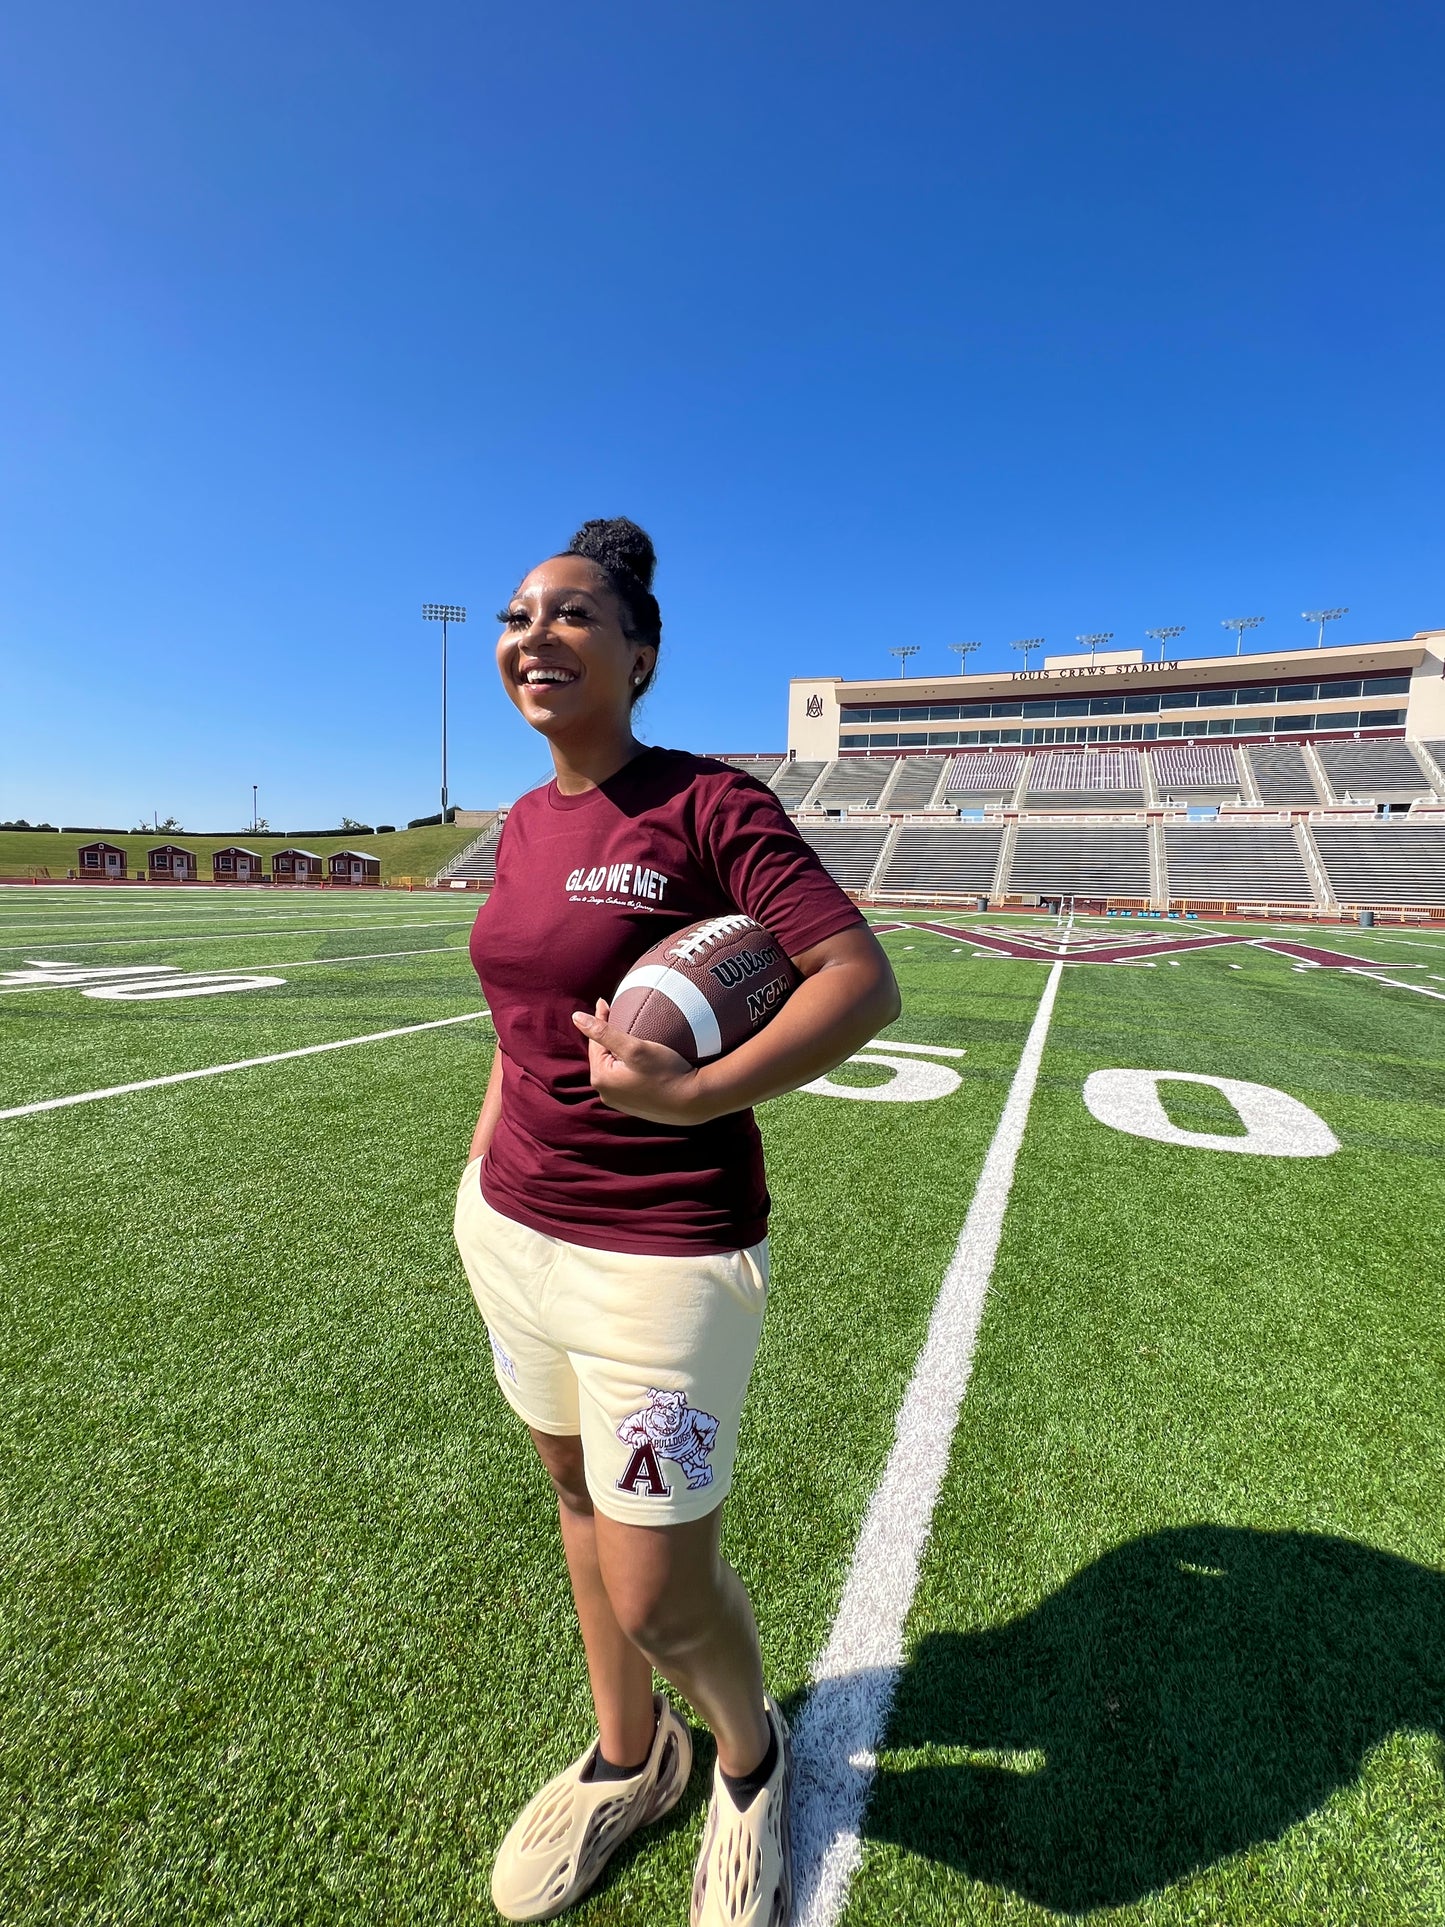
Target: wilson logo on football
696,991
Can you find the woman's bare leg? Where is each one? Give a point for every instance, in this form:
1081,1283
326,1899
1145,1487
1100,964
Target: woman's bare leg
620,1676
680,1602
664,1597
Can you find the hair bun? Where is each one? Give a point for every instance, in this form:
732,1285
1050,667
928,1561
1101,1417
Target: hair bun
617,543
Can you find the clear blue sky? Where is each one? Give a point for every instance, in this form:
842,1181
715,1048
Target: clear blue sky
918,323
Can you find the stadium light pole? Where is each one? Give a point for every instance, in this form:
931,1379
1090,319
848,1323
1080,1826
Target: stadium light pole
1164,637
1027,647
1322,616
904,651
963,650
255,812
1091,643
444,612
1240,625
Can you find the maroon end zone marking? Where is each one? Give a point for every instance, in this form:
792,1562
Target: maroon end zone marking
1306,953
1141,949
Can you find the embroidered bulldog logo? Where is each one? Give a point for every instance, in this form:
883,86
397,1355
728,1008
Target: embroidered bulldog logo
667,1427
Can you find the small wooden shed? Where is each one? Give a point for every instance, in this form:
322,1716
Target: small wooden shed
169,863
296,866
353,866
102,860
237,864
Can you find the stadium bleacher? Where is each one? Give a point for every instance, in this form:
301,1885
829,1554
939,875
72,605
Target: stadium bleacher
1384,863
1084,861
855,782
477,863
1085,781
1195,772
981,773
1242,863
793,781
763,767
1383,771
915,783
947,860
1281,774
848,854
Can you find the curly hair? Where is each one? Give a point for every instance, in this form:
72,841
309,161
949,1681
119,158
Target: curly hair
625,555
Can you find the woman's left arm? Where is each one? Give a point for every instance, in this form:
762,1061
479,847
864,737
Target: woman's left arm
848,994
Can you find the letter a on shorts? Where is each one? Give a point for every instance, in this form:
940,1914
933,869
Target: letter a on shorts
644,1474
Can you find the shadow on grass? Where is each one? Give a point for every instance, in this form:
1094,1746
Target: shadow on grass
1189,1694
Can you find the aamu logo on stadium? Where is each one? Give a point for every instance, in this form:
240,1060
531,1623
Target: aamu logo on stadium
631,879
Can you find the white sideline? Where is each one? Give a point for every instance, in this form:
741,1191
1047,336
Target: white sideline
243,1064
837,1735
1394,982
211,936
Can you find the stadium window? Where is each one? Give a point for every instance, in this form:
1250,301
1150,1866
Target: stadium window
1338,692
1141,705
973,712
1073,706
1216,698
1106,705
1006,709
1171,729
1339,719
1150,731
1385,686
1297,692
1182,699
912,739
1261,695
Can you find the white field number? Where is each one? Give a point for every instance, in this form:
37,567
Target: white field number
912,1082
1275,1124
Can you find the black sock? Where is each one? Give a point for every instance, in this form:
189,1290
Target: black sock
744,1788
604,1769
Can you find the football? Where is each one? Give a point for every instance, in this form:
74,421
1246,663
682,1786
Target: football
706,989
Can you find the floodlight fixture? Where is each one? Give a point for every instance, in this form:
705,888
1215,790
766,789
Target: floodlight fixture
1322,616
444,612
1240,625
963,650
904,651
1027,646
1091,643
1164,637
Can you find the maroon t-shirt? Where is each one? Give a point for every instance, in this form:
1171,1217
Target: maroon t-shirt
584,885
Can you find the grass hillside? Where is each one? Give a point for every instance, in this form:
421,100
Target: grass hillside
404,853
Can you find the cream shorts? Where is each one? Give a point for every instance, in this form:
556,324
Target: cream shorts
646,1358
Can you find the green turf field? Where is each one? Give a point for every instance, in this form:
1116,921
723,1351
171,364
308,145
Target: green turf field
284,1631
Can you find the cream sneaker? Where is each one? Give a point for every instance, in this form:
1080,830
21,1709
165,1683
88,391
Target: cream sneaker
559,1843
744,1873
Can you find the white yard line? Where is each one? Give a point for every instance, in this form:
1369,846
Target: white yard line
1395,984
243,1064
216,936
362,956
840,1728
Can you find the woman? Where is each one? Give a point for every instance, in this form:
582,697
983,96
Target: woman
613,1220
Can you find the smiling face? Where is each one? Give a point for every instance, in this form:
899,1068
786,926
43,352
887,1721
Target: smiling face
564,658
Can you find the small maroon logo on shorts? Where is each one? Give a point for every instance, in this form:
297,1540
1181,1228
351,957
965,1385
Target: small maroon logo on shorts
667,1427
